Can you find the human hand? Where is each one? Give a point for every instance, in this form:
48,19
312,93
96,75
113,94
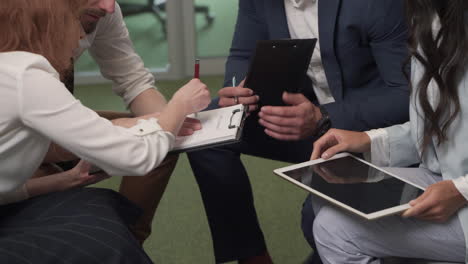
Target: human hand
336,140
192,97
293,122
245,96
189,126
438,203
79,176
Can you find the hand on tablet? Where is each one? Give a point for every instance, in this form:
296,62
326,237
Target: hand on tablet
438,203
229,96
294,122
336,140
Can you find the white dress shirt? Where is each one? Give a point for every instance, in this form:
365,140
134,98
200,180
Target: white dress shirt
112,49
380,156
302,16
38,109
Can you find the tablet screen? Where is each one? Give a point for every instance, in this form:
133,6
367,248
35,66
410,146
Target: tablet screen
356,184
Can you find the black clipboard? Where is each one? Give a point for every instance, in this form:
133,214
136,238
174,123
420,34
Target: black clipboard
278,66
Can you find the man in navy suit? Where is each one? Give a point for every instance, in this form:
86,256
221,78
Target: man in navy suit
355,81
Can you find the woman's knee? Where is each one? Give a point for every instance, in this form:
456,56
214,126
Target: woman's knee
333,226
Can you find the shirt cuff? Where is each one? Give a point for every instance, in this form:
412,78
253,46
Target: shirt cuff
461,184
380,152
145,127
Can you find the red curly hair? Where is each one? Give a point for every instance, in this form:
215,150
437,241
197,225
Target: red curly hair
46,27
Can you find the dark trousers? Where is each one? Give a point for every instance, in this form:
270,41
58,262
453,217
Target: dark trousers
84,225
226,191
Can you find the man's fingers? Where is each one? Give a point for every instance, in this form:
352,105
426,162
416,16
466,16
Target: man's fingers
280,129
283,111
281,121
235,91
280,136
228,101
253,107
248,100
294,98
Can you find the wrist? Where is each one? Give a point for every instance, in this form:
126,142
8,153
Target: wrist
317,114
176,107
66,181
366,142
323,123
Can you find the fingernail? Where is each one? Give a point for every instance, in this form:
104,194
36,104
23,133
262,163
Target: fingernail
325,155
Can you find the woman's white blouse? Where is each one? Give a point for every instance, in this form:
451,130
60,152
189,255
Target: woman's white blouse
36,109
380,155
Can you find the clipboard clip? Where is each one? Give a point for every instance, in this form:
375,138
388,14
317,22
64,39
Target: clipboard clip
234,112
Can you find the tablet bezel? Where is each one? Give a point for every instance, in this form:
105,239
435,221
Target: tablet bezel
372,216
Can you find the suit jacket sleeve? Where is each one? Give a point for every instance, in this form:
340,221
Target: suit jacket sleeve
250,27
384,27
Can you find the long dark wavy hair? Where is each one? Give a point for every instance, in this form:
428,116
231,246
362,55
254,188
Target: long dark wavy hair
444,56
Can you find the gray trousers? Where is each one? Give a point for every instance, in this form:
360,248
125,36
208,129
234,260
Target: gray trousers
342,237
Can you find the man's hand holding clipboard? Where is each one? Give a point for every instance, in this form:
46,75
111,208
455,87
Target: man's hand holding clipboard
297,120
273,86
233,95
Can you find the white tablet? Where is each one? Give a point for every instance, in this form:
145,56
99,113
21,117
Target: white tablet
353,184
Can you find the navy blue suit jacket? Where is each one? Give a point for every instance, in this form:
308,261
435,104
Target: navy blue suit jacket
363,47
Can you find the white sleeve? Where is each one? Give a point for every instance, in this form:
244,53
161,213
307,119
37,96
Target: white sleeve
113,51
461,184
402,148
48,108
380,152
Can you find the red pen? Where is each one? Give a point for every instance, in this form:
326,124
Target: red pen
196,73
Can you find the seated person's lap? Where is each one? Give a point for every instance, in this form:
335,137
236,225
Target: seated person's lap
82,225
409,238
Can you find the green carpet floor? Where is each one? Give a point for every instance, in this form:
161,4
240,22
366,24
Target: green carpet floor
180,229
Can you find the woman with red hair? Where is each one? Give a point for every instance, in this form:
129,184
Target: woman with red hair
79,225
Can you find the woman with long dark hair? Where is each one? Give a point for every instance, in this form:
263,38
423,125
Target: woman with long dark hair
436,225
